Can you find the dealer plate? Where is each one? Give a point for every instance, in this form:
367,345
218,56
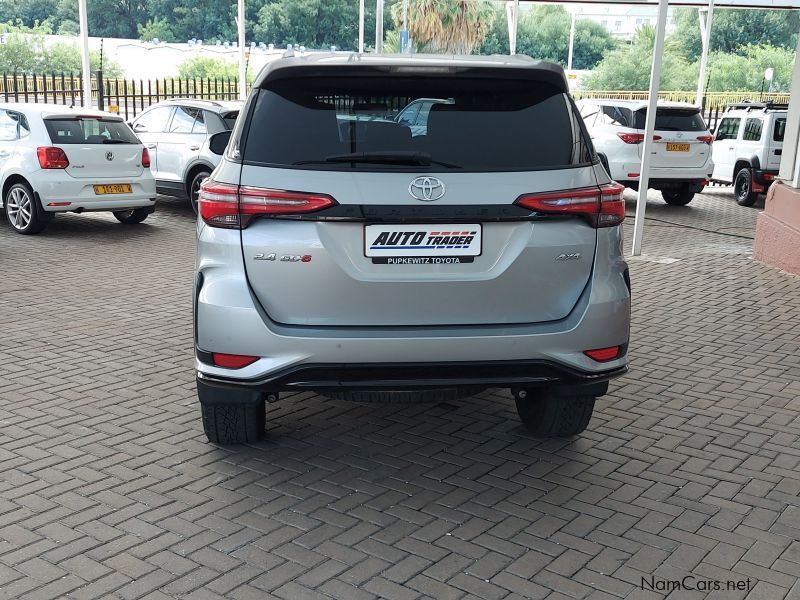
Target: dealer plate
435,242
677,147
113,188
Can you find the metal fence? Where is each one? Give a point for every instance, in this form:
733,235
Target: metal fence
127,97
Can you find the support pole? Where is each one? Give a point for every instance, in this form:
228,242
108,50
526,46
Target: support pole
790,160
85,74
705,32
512,15
379,27
649,127
361,11
242,63
571,40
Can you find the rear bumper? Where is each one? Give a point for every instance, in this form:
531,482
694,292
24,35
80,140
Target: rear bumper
764,177
410,376
55,191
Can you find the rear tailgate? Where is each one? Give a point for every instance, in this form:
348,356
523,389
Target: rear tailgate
775,144
96,147
676,143
482,261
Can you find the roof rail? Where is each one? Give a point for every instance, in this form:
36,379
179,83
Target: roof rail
214,102
748,105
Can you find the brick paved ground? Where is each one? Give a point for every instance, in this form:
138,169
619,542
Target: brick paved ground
108,488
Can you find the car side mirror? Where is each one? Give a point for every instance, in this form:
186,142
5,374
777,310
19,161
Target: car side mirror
219,141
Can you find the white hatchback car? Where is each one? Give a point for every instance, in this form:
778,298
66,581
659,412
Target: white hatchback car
681,163
58,159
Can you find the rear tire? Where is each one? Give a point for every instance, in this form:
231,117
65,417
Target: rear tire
233,423
547,413
194,188
678,196
23,211
743,188
132,216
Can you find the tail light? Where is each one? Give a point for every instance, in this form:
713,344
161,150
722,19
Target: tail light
234,207
706,139
145,158
634,138
768,176
51,157
603,206
232,361
603,354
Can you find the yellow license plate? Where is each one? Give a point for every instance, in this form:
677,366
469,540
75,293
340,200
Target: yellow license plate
677,147
113,188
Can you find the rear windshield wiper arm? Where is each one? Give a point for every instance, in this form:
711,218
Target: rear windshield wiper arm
397,158
110,141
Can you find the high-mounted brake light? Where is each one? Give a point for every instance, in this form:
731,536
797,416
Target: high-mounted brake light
234,207
145,158
603,206
232,361
51,157
706,139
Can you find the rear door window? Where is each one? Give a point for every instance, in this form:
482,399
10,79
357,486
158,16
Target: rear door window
183,120
673,119
615,115
88,130
153,121
483,125
778,130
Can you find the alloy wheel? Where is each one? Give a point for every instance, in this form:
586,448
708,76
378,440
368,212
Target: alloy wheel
19,208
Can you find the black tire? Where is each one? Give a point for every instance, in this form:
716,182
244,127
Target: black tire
233,423
23,211
194,188
678,196
547,413
132,216
743,188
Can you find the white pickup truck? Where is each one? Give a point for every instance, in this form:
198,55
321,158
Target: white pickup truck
747,148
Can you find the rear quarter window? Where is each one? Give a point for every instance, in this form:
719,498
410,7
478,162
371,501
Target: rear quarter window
88,130
484,125
779,130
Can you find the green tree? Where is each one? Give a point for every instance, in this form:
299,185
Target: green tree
745,71
156,29
543,33
629,68
454,26
732,30
207,67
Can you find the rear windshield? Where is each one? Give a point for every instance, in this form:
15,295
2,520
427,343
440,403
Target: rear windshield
398,122
673,119
779,130
89,130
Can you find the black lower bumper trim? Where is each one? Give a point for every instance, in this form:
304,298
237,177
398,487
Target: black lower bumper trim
405,376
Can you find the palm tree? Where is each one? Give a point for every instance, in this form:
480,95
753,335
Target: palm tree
452,26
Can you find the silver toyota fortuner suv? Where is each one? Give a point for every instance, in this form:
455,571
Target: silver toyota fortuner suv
341,251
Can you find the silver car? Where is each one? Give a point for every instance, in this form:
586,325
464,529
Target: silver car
176,134
347,256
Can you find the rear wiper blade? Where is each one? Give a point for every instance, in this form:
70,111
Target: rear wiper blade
398,158
109,141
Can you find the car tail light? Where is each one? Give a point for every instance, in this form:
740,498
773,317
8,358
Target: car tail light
604,206
603,354
634,138
51,157
706,139
145,158
768,176
232,361
234,207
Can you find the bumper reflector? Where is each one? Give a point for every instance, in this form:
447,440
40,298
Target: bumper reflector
603,354
232,361
59,203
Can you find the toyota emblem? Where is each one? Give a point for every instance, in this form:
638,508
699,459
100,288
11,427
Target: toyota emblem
109,156
426,188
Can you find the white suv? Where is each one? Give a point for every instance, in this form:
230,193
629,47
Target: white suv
681,163
747,148
57,159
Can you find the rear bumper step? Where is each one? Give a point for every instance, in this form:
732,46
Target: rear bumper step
406,376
